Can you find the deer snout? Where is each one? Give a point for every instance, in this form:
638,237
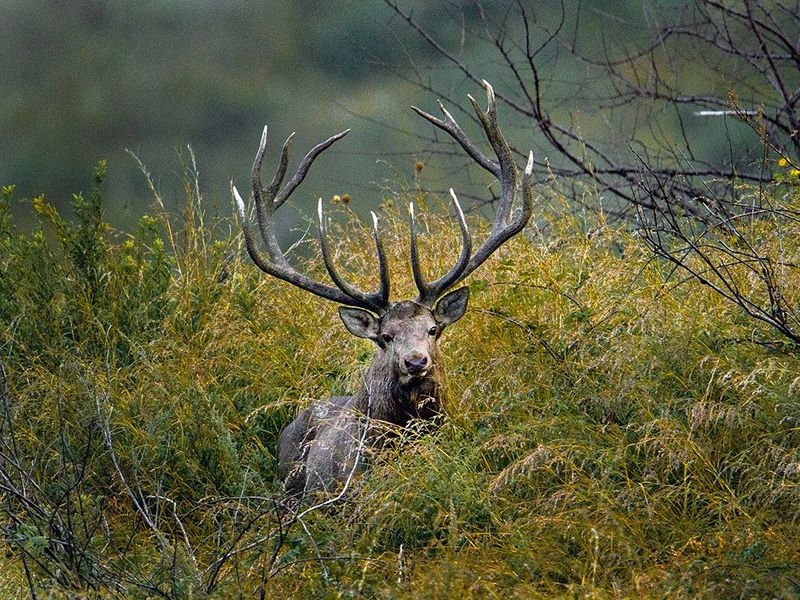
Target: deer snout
416,363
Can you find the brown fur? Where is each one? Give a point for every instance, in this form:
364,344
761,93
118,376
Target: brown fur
327,442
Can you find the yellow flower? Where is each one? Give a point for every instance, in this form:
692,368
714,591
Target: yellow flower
782,162
794,172
345,198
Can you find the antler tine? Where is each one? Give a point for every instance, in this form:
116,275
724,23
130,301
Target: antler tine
263,198
377,301
416,272
506,223
452,128
305,165
280,173
500,234
383,267
276,263
508,175
430,292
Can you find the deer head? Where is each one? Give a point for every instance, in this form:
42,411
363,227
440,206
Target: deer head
406,332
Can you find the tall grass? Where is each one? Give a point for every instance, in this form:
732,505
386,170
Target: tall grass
612,430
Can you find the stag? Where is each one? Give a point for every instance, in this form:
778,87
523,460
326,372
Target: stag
328,441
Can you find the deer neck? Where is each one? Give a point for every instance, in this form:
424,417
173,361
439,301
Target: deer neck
386,398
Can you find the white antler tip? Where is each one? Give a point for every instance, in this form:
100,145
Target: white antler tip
239,201
457,204
264,135
319,209
411,210
445,112
374,220
489,91
529,166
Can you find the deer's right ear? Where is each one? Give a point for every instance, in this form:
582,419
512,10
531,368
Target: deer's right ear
360,323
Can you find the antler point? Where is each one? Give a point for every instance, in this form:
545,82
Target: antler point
489,91
457,204
529,166
239,202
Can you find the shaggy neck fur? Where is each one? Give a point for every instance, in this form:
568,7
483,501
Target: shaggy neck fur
390,400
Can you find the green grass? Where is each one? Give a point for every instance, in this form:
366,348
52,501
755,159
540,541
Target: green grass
612,431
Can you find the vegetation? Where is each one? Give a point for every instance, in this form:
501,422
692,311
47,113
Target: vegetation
612,430
623,414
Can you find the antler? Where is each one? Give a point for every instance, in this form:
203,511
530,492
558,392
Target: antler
268,200
506,223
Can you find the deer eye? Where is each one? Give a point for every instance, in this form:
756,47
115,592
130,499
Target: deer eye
433,330
387,338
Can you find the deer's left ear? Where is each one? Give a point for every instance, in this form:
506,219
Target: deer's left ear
451,308
359,322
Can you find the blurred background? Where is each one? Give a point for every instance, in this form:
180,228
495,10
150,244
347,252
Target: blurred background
90,80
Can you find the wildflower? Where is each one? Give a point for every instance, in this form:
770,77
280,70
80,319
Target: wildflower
336,199
345,198
782,162
794,173
418,166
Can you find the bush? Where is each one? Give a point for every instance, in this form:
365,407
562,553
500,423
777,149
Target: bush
610,431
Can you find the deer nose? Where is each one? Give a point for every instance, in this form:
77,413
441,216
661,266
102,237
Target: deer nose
415,364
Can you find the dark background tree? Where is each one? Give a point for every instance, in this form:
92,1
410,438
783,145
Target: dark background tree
701,92
701,116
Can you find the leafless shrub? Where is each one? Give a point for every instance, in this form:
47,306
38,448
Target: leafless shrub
702,59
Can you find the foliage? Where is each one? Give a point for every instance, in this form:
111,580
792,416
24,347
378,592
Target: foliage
612,431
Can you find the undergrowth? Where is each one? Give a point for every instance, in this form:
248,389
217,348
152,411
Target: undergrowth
612,430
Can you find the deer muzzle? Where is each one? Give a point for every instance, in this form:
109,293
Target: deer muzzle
416,364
